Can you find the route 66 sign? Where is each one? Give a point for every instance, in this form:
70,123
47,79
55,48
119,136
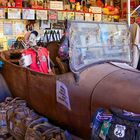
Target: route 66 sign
119,131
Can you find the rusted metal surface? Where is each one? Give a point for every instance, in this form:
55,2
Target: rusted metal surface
15,77
119,89
101,85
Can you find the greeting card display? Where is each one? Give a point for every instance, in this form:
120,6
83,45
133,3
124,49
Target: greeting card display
41,15
14,13
28,14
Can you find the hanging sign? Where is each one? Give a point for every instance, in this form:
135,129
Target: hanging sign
88,17
70,15
41,15
62,15
62,96
28,14
56,5
14,13
79,16
2,13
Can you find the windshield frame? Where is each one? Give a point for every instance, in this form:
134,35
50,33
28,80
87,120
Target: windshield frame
71,48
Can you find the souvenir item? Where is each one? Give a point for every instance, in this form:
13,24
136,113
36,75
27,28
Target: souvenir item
115,124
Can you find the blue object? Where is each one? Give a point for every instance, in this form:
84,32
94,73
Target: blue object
1,64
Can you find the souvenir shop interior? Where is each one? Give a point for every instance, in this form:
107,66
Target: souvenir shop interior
66,70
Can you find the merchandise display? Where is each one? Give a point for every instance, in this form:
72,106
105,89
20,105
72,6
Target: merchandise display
74,95
62,61
20,122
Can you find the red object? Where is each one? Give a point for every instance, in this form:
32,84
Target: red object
42,56
72,1
19,3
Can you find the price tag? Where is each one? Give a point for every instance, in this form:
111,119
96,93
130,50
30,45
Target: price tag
56,5
2,13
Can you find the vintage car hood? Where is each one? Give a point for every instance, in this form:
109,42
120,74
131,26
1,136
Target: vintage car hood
121,89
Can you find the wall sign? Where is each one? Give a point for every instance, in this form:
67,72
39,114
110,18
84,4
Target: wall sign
62,96
56,5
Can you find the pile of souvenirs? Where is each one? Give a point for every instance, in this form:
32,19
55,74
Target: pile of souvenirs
22,123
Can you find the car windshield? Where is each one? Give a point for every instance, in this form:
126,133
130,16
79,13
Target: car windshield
92,42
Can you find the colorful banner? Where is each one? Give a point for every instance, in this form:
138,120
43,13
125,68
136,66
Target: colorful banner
41,15
14,13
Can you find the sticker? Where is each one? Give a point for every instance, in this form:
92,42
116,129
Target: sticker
62,94
119,131
104,130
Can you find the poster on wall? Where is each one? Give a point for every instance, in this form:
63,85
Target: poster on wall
18,28
2,13
79,16
8,28
70,15
28,14
88,17
41,15
14,13
62,15
53,15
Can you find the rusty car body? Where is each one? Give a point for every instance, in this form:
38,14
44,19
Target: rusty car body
92,82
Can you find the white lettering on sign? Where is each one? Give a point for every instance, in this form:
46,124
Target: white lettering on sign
62,94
